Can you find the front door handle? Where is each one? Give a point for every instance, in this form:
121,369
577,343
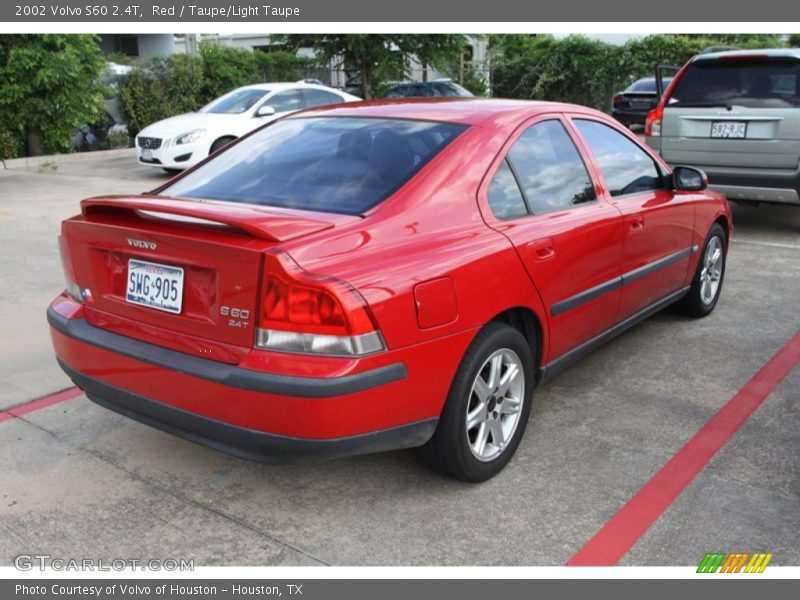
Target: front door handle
636,222
542,249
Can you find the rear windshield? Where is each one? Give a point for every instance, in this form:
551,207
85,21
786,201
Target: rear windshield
331,164
766,83
647,86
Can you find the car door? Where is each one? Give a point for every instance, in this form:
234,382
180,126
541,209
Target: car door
658,223
540,194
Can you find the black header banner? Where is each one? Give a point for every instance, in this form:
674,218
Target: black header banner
397,589
463,11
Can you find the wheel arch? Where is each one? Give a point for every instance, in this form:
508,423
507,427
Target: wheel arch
722,220
528,323
219,138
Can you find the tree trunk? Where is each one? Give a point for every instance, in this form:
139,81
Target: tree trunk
33,139
366,80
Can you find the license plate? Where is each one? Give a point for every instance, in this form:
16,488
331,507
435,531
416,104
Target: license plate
147,155
155,286
640,105
728,129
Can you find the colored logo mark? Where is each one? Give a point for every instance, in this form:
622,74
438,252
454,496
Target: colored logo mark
736,562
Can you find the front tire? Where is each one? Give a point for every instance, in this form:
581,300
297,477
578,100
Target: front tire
702,297
487,409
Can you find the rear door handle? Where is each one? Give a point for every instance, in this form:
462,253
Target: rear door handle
542,249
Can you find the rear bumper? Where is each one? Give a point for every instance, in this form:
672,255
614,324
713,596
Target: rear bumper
629,116
254,414
781,189
305,387
242,442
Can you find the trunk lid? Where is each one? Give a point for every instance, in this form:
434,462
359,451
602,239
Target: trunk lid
217,246
643,101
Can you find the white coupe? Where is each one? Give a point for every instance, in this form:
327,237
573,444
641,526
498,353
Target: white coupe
180,142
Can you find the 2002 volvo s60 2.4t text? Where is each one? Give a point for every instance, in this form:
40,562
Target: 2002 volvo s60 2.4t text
381,275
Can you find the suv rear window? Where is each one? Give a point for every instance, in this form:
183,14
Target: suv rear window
330,164
753,83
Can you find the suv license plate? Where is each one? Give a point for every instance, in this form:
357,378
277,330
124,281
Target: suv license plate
155,286
728,129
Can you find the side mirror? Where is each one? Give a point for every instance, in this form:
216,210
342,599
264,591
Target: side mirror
689,179
265,111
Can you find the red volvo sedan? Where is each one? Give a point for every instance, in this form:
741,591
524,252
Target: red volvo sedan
381,275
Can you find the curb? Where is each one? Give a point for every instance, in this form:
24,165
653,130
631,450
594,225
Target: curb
37,161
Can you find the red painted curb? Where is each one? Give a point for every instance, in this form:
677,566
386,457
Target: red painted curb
625,528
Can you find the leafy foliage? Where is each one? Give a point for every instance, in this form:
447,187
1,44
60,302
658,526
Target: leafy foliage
9,145
225,68
586,71
49,86
378,58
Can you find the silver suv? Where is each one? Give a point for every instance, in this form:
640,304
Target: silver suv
736,115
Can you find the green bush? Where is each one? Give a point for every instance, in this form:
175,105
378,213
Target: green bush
475,82
284,66
9,145
573,69
225,69
49,86
163,87
118,139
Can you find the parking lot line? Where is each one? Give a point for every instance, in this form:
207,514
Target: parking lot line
625,528
768,244
39,403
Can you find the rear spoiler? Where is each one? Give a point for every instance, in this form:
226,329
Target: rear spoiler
271,225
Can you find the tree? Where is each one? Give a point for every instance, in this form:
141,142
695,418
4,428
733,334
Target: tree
49,86
572,69
377,57
225,68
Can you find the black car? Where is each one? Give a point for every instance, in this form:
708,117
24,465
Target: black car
639,98
427,89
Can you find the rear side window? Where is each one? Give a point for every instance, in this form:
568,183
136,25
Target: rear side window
421,91
314,97
766,83
399,91
330,164
626,168
505,197
549,168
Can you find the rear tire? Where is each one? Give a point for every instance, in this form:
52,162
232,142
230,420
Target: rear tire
220,143
702,297
487,409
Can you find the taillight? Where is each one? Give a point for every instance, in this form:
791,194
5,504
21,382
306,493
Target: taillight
72,288
317,315
652,126
617,100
